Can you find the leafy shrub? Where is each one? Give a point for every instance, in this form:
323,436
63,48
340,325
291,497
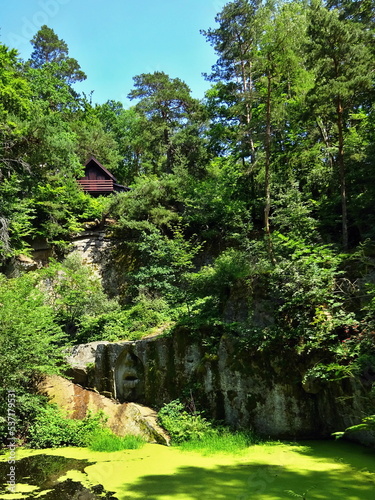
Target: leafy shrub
16,218
131,323
60,205
193,432
74,292
303,282
105,440
216,207
209,287
329,372
52,429
30,346
181,425
159,262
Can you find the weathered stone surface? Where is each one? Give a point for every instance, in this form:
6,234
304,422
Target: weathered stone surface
126,418
245,389
92,246
19,265
96,250
81,359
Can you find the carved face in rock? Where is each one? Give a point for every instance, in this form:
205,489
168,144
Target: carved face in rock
129,377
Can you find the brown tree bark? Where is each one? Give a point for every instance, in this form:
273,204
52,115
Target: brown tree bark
342,172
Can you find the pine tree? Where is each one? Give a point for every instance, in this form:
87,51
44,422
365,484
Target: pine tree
48,49
341,57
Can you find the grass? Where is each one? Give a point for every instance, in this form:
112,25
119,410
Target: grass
105,440
220,442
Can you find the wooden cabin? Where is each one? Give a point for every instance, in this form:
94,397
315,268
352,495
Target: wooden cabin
98,180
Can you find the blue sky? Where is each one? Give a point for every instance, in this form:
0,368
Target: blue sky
114,40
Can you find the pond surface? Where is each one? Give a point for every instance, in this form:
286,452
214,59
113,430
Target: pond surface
41,474
320,470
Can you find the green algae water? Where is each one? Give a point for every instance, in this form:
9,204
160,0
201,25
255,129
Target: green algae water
324,470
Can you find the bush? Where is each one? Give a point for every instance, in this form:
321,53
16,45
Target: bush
74,292
52,429
193,432
30,346
131,323
181,425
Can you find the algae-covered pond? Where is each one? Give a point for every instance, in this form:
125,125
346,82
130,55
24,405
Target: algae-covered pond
324,470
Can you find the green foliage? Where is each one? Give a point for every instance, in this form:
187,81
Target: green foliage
94,140
339,51
133,137
330,372
164,262
289,119
30,344
193,432
367,424
33,327
129,323
292,214
303,495
304,282
55,204
152,199
173,118
105,440
51,429
209,288
15,219
82,308
216,207
51,93
181,425
48,48
158,251
74,292
221,441
14,89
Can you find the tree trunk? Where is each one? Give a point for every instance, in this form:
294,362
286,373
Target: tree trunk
169,147
267,206
342,173
267,181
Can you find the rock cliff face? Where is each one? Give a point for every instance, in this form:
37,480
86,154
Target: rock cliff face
266,392
96,249
245,389
95,246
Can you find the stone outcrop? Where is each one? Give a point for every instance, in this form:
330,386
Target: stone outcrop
81,360
123,419
95,247
243,388
270,393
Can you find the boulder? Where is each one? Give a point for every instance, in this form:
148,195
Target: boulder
123,419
